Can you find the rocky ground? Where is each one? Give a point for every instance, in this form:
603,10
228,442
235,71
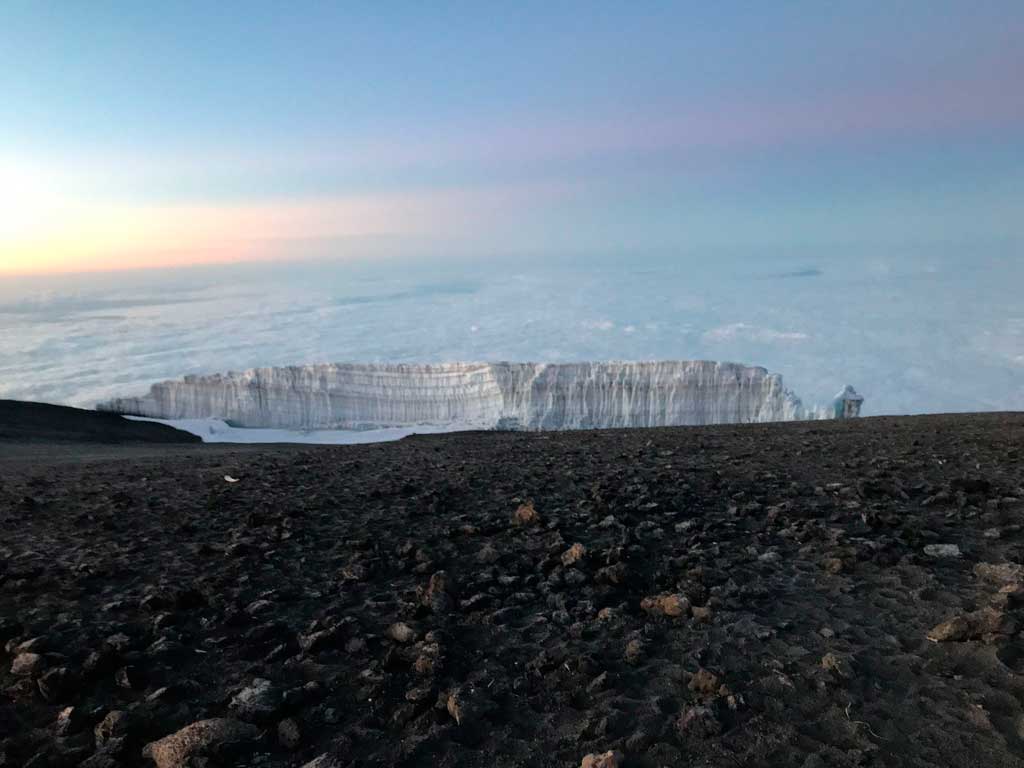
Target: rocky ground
816,594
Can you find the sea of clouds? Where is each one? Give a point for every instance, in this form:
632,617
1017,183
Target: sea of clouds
913,333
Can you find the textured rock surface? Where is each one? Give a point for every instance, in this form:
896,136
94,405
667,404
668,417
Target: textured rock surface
483,395
217,737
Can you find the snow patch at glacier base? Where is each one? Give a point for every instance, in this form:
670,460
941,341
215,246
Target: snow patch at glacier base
219,431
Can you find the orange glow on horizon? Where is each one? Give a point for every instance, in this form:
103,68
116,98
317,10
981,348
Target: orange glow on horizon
52,224
100,238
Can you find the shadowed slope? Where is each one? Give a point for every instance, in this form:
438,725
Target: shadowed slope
42,422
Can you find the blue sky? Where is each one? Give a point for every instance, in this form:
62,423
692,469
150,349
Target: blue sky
136,135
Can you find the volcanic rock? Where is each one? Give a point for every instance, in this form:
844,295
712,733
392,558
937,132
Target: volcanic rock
58,684
971,626
401,632
671,605
525,514
942,550
288,734
218,738
28,664
1000,573
610,759
574,555
115,725
258,702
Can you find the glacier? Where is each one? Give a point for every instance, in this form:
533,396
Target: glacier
524,396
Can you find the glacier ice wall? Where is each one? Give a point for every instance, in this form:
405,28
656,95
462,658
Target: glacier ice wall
528,396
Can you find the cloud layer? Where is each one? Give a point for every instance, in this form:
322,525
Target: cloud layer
913,333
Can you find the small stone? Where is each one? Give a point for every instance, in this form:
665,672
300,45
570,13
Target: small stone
259,607
700,721
327,760
942,550
70,720
487,555
99,663
354,571
28,664
611,759
58,684
832,565
634,651
401,632
32,645
258,702
468,704
574,555
1008,596
112,727
525,514
972,626
425,664
164,648
955,630
217,737
163,620
639,741
439,593
419,693
701,613
1000,573
598,683
704,682
837,665
288,734
101,759
129,678
671,605
319,641
118,642
612,574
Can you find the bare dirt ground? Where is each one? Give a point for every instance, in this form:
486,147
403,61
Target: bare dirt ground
815,594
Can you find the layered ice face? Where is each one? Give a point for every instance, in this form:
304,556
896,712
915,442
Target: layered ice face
529,396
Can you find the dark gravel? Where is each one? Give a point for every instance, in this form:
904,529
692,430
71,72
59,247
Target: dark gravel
725,596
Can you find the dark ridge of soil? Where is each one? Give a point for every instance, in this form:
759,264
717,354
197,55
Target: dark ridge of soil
397,605
45,423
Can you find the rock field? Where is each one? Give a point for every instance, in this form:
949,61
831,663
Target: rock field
806,594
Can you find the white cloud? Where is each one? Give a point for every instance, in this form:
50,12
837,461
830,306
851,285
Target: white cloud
745,332
909,344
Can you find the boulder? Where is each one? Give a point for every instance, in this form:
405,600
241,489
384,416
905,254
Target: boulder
217,738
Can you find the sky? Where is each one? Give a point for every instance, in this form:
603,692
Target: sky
834,191
135,135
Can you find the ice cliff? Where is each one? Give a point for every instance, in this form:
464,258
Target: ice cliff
480,395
